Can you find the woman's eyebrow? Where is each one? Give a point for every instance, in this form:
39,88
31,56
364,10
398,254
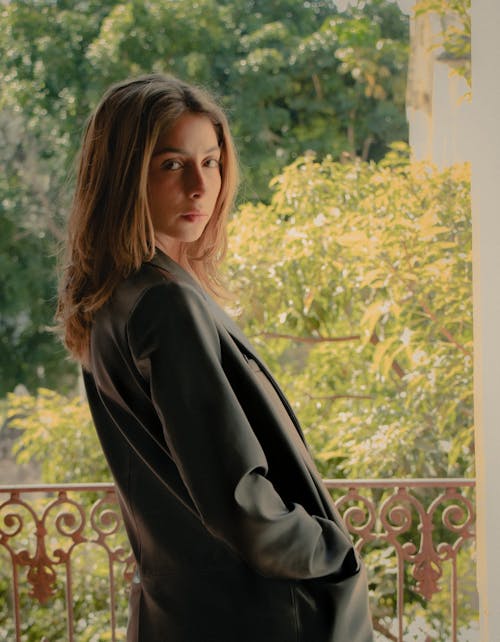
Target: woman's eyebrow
179,150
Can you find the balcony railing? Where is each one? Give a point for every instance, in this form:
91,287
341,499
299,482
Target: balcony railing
65,564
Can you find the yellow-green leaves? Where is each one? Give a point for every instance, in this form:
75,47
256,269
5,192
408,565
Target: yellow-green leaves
356,283
57,432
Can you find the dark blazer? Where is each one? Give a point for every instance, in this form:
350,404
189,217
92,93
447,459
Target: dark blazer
235,537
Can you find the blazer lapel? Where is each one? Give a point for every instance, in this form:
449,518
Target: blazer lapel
323,496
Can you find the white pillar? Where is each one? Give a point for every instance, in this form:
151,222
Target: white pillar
486,253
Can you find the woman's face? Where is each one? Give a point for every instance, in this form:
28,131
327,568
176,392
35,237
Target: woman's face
184,181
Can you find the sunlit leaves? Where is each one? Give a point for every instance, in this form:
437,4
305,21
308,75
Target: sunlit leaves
57,432
365,271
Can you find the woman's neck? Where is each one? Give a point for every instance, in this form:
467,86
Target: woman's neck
175,251
169,246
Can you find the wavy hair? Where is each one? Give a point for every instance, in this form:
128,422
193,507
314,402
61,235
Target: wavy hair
110,231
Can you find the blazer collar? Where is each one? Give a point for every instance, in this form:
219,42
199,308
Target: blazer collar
164,262
167,264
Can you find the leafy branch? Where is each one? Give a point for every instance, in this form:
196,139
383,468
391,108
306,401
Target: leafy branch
299,339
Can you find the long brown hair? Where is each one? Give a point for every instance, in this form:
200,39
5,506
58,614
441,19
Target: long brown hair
110,232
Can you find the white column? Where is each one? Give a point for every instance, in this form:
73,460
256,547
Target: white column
486,252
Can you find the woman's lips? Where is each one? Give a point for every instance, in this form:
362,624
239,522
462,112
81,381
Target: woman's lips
193,216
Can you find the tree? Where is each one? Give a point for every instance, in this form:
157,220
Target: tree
279,68
30,351
41,97
294,76
366,310
57,432
289,72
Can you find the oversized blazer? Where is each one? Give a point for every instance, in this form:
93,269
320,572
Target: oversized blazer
236,538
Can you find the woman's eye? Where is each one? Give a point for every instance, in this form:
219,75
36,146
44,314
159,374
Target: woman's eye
171,164
212,162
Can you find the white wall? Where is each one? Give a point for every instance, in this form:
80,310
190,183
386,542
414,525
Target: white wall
437,107
485,138
452,116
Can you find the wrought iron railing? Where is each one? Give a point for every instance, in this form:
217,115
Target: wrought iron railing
65,564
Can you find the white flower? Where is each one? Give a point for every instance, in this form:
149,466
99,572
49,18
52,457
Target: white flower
418,356
406,336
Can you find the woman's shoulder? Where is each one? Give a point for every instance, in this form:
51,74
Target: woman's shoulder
168,309
147,306
149,291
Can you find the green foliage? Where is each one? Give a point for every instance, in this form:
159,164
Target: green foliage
43,82
91,610
279,63
30,351
365,310
31,354
57,432
293,76
277,69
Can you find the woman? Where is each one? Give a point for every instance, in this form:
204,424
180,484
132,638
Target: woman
235,537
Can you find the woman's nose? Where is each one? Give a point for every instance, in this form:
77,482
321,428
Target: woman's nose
195,182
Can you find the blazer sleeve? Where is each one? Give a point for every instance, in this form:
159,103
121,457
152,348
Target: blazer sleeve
176,347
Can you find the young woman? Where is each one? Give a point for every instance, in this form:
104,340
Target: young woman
235,537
